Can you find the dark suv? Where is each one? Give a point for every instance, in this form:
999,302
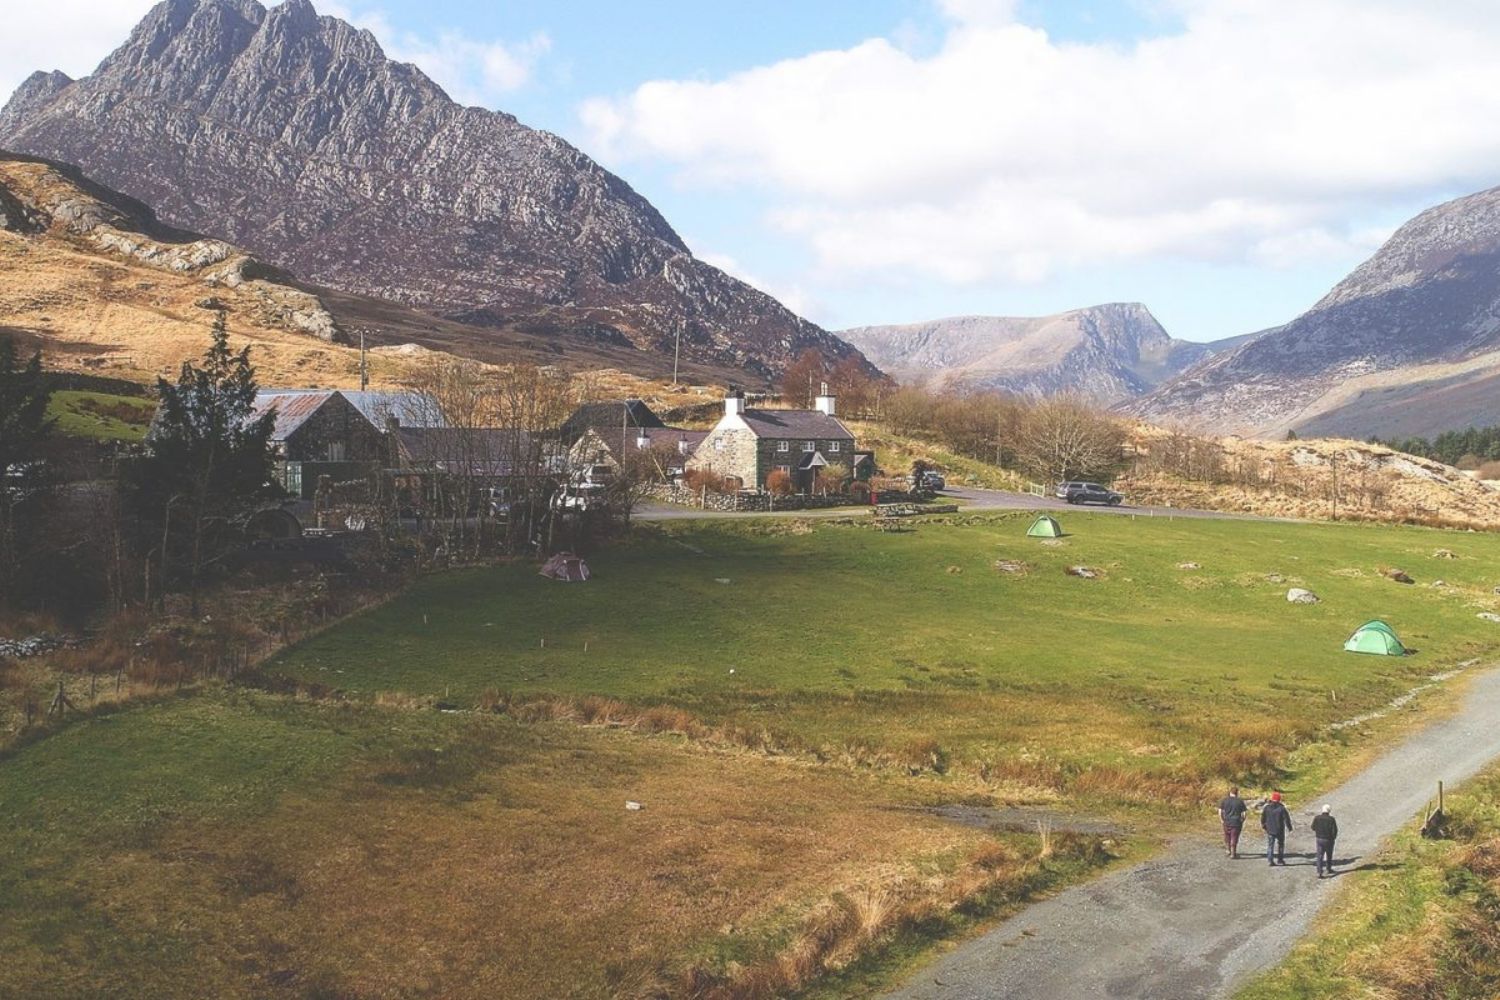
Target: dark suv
1088,493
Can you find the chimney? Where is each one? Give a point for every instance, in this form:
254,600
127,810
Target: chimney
734,402
826,402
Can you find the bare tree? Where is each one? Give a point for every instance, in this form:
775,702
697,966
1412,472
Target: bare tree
1065,439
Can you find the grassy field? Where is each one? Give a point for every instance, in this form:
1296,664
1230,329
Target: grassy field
1145,685
783,697
238,844
1425,928
101,416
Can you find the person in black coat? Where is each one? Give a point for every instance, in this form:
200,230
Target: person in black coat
1325,831
1276,821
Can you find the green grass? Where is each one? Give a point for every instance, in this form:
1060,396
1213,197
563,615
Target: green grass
836,637
100,416
1427,927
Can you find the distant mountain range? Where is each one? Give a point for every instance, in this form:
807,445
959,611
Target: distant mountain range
1108,353
1408,344
292,135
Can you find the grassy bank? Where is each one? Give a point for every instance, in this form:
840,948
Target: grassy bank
1425,927
1182,664
238,844
100,416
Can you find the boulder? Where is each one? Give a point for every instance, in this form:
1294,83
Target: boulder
1297,595
1445,554
1014,566
1488,616
1083,572
1398,575
1189,565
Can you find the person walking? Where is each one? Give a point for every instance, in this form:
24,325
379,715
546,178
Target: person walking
1325,831
1276,821
1232,810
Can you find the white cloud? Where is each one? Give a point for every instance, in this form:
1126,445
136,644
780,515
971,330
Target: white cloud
1254,131
71,35
472,71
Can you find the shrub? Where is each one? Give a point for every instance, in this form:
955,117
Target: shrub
704,479
779,483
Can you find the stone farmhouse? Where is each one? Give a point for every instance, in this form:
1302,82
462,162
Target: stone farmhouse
747,445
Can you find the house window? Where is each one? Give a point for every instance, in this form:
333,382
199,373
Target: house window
335,451
833,446
783,446
809,446
784,468
718,444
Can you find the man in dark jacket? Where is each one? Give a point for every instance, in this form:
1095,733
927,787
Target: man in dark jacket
1232,815
1276,821
1325,831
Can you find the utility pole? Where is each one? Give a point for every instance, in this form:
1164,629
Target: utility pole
676,354
364,364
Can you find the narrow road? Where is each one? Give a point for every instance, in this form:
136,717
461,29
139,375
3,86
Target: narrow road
970,498
1193,924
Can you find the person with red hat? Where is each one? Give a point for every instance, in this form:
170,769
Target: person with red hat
1276,821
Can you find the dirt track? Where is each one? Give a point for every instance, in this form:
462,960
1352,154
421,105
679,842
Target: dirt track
1194,924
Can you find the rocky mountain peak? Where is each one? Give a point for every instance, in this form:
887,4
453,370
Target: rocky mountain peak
292,134
1111,352
1409,342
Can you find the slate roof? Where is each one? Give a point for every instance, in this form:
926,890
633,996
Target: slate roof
408,407
803,424
487,452
605,416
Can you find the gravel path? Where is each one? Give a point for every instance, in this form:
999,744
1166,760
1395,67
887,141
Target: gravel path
1194,924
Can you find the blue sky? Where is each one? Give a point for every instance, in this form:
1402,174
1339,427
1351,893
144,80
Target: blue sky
875,161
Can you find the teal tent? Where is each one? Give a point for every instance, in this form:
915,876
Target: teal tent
1045,526
1375,637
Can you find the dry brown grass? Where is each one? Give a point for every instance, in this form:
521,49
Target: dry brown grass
505,864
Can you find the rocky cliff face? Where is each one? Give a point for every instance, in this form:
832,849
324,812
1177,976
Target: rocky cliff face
1409,343
293,135
1108,353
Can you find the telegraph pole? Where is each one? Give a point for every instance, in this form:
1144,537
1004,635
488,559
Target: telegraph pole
364,364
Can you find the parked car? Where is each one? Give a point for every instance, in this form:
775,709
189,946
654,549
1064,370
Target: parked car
1074,492
579,497
933,481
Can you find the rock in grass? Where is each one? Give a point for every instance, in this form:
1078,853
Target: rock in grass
633,806
1445,554
1189,565
1398,575
1297,595
1083,572
1013,566
1489,616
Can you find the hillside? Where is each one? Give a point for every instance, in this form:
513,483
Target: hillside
1108,353
294,136
1314,479
1407,344
95,280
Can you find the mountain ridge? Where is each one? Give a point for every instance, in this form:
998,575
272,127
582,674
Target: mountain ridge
1109,352
292,134
1407,343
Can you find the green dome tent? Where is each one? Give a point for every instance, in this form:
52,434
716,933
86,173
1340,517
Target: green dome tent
1375,637
1045,526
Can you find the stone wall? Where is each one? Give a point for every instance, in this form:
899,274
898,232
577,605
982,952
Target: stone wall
749,501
